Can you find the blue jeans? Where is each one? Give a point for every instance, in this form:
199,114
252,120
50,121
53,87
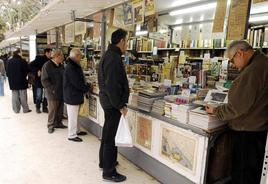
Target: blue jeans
38,97
1,86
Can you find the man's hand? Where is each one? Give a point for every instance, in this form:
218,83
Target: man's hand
210,109
124,111
39,73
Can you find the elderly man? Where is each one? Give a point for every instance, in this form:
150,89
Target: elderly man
74,89
247,112
52,80
17,71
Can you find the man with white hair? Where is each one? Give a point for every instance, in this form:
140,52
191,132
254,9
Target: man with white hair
246,112
52,80
74,89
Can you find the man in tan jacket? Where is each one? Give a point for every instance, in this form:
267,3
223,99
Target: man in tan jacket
246,112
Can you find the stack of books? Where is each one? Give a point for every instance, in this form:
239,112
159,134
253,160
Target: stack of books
198,117
159,107
146,99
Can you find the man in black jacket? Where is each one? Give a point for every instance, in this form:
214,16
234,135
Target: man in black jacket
114,94
74,88
17,71
36,67
52,80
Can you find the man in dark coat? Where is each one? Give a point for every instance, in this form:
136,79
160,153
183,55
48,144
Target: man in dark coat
74,88
114,94
52,80
17,71
36,67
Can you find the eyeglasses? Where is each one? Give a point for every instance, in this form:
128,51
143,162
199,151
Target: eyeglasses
232,59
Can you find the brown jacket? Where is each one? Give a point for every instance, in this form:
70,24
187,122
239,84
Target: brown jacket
247,108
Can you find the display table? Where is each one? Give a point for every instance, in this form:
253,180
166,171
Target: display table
170,151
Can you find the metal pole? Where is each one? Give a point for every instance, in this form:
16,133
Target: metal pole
20,46
103,32
57,38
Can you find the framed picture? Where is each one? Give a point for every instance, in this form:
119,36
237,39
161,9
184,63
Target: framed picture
149,7
144,132
182,151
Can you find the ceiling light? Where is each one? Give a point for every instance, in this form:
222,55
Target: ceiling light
194,9
258,19
181,3
162,31
202,18
19,2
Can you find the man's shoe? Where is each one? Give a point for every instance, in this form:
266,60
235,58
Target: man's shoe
38,111
45,110
115,177
81,133
28,111
116,164
61,126
50,130
76,139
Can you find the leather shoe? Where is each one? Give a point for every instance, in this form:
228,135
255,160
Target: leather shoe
38,111
50,130
116,177
81,133
28,111
45,110
60,126
76,139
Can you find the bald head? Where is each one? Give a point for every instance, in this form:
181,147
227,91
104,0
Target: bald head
76,55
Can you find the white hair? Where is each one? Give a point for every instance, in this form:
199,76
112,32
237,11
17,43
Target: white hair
239,44
74,52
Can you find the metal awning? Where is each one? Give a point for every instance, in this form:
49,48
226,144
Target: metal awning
58,12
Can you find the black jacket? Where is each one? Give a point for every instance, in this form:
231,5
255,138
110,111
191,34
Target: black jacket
74,85
35,66
112,79
17,71
52,80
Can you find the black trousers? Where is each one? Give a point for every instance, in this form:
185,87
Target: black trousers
248,155
108,150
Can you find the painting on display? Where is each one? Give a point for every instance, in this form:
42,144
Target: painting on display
144,132
149,7
128,13
150,23
69,33
179,148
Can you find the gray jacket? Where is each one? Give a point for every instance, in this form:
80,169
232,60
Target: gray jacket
52,80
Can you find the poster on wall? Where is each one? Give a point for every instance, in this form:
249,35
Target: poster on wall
218,23
150,23
80,28
238,19
69,33
144,132
177,38
138,10
149,7
97,25
179,148
128,13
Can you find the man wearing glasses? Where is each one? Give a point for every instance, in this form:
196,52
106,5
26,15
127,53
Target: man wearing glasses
246,112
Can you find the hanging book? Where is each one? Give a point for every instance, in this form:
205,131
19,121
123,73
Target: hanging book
149,7
138,9
128,13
